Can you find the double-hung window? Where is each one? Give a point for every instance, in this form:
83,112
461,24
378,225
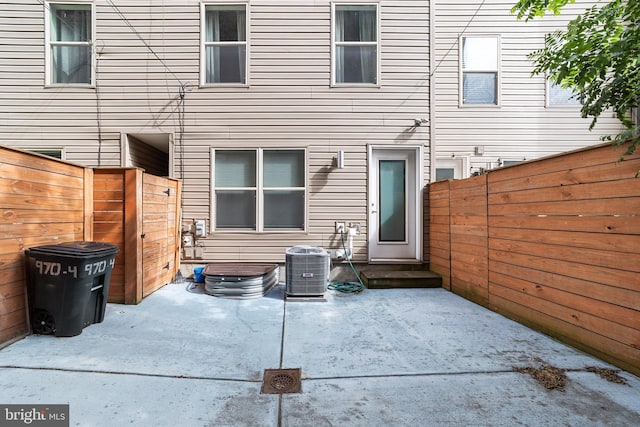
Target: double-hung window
69,41
224,44
355,47
479,69
259,190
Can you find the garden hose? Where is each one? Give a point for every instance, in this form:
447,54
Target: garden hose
347,287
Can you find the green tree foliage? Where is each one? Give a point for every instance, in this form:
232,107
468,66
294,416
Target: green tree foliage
598,56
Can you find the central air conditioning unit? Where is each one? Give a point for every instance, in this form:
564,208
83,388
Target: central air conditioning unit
307,272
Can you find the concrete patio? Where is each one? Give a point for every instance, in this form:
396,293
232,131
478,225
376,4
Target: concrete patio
400,357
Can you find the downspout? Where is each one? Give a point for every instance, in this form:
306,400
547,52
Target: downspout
432,96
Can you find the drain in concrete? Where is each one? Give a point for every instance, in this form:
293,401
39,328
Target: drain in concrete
276,381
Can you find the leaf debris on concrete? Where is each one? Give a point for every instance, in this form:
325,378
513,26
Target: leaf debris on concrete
610,375
548,376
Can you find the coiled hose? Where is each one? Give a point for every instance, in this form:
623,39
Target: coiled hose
347,287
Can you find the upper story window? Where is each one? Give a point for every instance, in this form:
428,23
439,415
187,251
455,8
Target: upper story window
69,39
355,44
259,190
479,66
558,95
224,35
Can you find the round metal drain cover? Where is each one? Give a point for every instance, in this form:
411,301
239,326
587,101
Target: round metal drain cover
277,381
282,382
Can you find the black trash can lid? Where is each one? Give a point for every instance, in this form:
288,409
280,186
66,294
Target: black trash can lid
75,249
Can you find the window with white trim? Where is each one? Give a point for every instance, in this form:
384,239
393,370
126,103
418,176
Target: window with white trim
479,69
452,168
355,46
259,190
56,153
558,95
224,41
509,162
69,40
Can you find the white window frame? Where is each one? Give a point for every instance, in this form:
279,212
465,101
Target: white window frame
204,43
42,151
571,103
377,44
48,71
496,70
459,164
509,161
259,189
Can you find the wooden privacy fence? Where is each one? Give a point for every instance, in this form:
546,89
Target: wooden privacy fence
45,201
553,243
42,201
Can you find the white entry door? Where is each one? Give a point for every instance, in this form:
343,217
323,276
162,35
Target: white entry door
395,186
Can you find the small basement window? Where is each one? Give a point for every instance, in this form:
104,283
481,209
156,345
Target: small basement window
55,153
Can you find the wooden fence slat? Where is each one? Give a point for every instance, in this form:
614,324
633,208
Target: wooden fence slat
569,253
30,174
35,202
627,243
597,190
591,224
629,206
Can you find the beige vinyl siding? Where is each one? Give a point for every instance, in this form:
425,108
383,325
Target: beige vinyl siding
289,103
522,127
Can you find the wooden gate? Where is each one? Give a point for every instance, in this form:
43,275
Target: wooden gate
159,232
138,212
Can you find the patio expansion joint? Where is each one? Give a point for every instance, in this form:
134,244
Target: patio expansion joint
138,374
422,374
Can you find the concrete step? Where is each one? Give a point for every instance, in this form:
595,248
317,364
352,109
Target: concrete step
386,279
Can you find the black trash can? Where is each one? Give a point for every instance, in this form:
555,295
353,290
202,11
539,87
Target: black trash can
69,286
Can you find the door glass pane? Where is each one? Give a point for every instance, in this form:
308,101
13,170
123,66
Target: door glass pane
236,209
283,168
392,204
235,168
284,209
